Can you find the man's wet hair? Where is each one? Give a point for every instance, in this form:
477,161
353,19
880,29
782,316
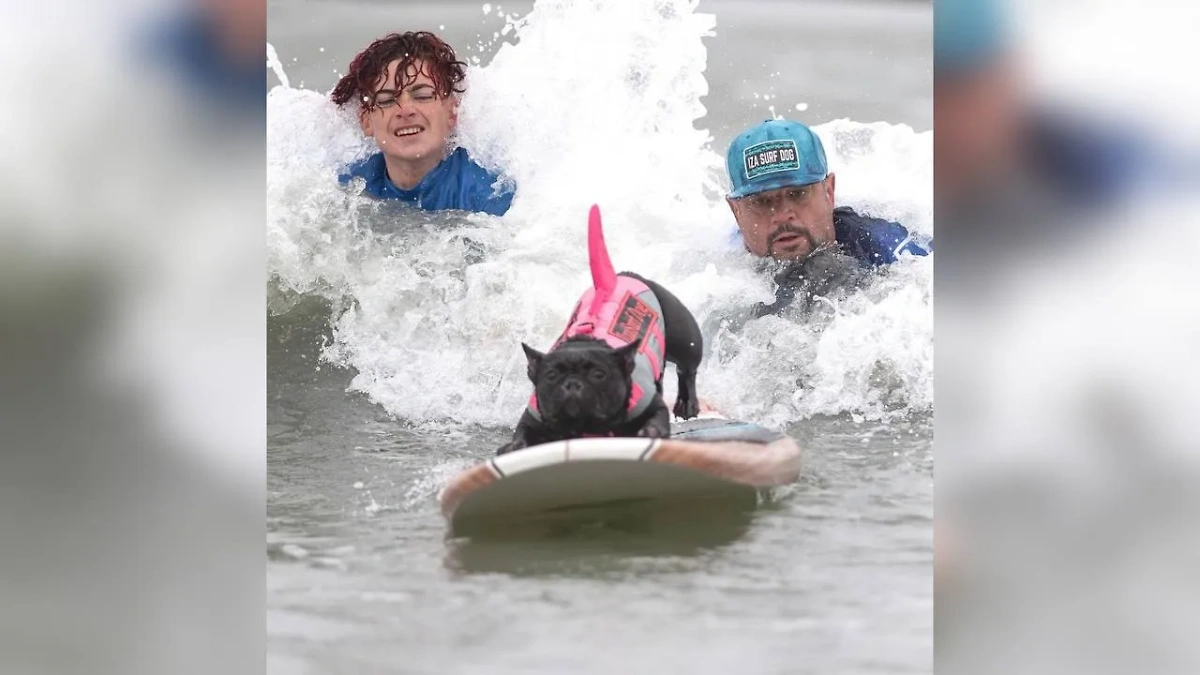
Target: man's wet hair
440,64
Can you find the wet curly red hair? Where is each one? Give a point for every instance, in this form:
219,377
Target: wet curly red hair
441,65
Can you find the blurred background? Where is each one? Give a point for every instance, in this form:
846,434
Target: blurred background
1066,314
132,379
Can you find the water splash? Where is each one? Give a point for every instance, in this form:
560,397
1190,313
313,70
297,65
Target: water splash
276,65
430,309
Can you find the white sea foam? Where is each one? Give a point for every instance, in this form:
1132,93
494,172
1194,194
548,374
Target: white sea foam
595,103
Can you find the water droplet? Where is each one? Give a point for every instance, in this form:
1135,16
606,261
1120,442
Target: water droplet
801,107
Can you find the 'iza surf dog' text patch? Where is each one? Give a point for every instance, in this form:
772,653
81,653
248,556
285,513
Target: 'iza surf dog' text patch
770,157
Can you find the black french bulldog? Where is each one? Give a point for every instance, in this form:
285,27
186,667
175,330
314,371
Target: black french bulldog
603,377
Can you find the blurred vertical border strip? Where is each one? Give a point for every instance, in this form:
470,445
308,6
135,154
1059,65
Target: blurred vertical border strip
132,374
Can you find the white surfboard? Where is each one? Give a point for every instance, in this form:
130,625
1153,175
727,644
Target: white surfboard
708,456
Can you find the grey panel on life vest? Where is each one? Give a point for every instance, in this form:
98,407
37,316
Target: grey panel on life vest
644,374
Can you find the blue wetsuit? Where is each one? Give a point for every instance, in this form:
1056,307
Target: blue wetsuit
874,241
456,183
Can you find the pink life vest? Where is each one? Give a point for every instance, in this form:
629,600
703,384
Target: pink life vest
619,310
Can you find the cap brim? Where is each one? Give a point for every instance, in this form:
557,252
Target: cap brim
755,188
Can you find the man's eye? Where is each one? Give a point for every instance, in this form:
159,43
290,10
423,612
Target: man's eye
797,193
423,97
385,102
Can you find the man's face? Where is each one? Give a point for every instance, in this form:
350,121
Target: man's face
788,223
412,124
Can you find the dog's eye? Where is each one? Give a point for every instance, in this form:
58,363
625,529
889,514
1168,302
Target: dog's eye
598,375
552,375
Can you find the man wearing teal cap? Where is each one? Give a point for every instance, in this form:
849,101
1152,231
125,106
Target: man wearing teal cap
783,201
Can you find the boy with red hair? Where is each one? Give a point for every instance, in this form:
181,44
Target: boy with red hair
407,88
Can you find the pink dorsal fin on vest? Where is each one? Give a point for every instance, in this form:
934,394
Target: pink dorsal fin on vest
604,277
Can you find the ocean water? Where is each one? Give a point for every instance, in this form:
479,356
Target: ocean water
395,361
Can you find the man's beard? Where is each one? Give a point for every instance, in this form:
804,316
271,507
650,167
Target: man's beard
785,229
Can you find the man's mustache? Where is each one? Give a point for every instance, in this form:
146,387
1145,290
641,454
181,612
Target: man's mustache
786,229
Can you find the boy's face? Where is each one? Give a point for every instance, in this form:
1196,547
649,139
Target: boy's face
412,124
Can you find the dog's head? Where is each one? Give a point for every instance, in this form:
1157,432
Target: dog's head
583,384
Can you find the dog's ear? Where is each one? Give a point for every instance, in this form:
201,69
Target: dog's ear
627,356
535,361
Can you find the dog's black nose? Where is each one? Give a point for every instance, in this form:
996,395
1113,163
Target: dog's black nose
573,385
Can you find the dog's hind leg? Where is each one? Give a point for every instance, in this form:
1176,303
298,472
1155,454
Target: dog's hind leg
684,348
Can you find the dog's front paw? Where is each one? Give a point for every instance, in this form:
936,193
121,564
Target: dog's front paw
509,447
652,431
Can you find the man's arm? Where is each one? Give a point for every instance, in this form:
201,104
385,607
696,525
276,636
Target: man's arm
874,240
